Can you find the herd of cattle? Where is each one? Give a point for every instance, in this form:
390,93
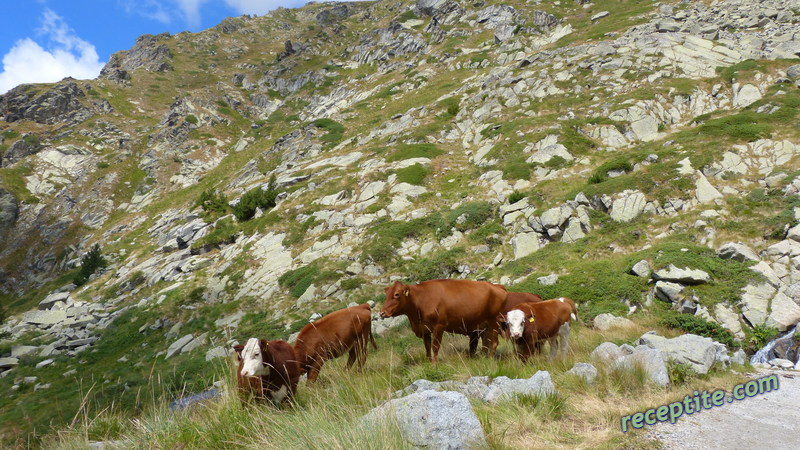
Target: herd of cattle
478,309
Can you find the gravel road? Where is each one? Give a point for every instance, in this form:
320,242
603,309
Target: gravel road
767,421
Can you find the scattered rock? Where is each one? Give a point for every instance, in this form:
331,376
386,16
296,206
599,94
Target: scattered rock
641,269
737,252
584,370
606,321
548,280
668,291
697,352
442,420
683,276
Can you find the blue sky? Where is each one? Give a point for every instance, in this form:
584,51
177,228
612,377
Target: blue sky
47,40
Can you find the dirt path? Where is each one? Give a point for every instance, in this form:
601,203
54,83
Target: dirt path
767,421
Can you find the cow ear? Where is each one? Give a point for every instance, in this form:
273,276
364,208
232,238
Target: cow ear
263,343
238,349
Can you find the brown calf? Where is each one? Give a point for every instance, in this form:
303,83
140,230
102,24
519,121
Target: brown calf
530,324
456,306
267,368
331,336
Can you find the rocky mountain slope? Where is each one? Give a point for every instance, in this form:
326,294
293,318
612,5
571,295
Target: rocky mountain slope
635,156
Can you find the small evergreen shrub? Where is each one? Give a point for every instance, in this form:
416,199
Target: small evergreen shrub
90,262
245,209
698,325
515,196
212,201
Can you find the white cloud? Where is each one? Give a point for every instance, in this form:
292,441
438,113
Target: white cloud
65,55
260,7
191,11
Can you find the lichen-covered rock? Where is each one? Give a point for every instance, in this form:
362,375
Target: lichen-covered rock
606,321
442,420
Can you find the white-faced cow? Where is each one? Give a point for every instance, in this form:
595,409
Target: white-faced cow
530,324
267,368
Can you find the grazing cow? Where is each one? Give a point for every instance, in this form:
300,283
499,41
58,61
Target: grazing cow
267,368
331,336
457,306
530,324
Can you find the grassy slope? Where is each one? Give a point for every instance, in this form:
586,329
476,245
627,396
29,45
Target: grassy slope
579,416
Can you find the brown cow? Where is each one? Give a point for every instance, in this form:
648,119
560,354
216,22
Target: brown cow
457,306
529,324
267,368
331,336
516,298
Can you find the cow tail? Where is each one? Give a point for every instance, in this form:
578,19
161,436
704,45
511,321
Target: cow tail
575,312
372,339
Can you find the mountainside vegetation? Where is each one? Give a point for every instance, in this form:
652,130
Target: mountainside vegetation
640,158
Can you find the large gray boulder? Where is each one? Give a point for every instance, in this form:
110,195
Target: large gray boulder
754,302
584,370
726,317
607,352
628,207
641,269
607,321
668,291
52,299
683,276
651,360
8,363
45,318
626,357
440,420
697,352
504,388
784,312
737,252
178,345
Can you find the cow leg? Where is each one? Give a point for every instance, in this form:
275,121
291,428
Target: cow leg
313,372
353,356
438,331
553,347
473,342
563,333
490,339
426,338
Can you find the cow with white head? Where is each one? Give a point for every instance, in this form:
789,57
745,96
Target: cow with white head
267,368
530,324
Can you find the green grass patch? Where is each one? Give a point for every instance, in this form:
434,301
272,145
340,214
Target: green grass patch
415,174
408,151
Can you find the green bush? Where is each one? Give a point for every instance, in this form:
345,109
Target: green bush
412,174
10,134
556,162
406,16
515,196
698,325
192,119
451,106
31,139
441,265
516,168
475,214
102,165
601,173
746,126
298,280
212,201
352,283
90,262
408,151
759,335
245,209
335,130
